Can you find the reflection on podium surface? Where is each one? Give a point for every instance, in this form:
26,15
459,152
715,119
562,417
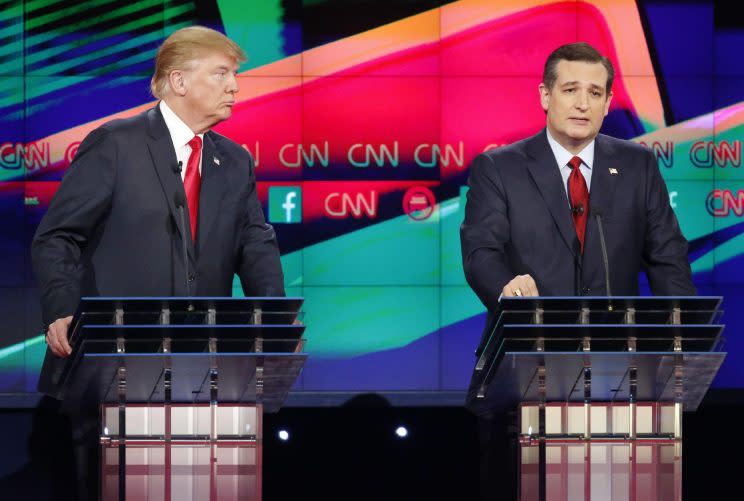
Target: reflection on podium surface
632,452
181,466
614,471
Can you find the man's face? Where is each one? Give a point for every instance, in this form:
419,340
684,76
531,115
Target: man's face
210,89
577,103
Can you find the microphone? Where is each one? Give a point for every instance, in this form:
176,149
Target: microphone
177,168
180,201
577,267
577,210
598,215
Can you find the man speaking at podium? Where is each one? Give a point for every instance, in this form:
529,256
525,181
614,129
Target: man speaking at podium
540,212
138,188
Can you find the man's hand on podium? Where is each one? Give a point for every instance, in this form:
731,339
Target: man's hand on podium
521,285
56,337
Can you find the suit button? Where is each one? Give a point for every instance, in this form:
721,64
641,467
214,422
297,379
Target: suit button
585,291
191,278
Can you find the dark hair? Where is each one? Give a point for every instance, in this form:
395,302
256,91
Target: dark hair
579,51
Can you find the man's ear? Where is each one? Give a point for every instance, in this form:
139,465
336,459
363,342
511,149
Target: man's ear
544,96
177,82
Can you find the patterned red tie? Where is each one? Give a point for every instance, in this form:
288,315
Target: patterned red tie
579,196
192,183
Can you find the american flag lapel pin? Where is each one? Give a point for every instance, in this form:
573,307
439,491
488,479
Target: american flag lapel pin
216,160
613,171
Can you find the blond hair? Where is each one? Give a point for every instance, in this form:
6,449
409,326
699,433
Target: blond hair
183,48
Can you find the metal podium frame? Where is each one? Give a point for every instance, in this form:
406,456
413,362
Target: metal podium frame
566,355
144,360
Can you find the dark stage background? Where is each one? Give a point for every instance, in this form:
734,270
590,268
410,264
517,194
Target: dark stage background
351,452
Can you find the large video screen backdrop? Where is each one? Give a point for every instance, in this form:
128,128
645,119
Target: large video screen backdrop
363,116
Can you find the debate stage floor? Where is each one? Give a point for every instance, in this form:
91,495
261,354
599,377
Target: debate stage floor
352,452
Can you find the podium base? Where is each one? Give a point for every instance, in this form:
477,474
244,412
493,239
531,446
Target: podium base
599,450
186,452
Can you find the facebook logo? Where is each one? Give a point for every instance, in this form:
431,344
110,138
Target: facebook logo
285,204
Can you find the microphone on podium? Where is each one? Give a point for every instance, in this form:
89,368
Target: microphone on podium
577,210
597,212
180,202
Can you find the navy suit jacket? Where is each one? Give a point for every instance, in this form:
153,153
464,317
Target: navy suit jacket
518,221
112,228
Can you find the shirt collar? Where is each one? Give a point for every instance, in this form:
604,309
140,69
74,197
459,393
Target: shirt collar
562,155
180,133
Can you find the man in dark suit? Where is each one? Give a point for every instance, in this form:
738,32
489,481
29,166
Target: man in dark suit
113,227
531,217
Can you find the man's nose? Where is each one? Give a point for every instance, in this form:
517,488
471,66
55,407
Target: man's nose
582,100
232,84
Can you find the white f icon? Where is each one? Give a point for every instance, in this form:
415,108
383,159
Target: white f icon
288,205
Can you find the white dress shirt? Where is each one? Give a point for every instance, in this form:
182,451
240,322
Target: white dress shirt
180,134
563,156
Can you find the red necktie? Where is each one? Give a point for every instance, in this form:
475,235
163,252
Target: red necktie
579,196
192,183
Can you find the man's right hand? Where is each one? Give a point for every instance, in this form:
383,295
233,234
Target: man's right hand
521,285
56,337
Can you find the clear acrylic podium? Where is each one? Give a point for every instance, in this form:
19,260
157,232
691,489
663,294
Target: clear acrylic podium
600,385
182,385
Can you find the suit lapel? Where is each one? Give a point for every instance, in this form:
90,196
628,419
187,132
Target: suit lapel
164,160
544,171
212,189
601,193
602,189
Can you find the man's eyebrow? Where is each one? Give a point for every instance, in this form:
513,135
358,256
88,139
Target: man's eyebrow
576,82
